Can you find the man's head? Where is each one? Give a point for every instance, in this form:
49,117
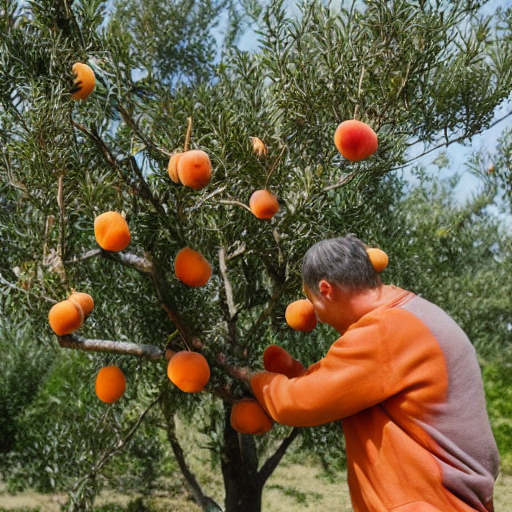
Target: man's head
343,262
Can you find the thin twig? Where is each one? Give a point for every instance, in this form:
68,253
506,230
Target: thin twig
132,260
274,165
89,254
135,129
118,446
359,90
116,347
26,292
208,197
266,312
346,179
188,134
233,202
176,320
62,226
227,284
236,253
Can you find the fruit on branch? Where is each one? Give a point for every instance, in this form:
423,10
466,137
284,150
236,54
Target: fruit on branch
172,168
110,384
300,315
258,146
263,204
65,317
111,231
248,417
355,140
378,258
277,360
85,301
194,169
189,371
192,268
83,82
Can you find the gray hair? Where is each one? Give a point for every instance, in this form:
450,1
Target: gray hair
341,261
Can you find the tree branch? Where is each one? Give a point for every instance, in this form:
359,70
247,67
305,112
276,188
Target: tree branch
266,312
26,292
272,462
346,179
117,347
188,134
118,446
132,260
227,284
204,501
135,129
237,203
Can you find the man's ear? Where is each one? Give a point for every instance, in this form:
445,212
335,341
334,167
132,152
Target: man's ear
326,289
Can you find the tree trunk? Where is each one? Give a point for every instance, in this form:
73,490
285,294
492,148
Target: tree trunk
242,483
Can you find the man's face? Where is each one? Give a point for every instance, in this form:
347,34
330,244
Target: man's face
318,302
332,307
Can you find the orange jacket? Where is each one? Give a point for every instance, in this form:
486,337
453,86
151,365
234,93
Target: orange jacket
405,383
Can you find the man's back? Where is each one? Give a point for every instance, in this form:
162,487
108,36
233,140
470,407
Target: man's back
406,384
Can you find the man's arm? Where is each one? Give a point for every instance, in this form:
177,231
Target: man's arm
355,374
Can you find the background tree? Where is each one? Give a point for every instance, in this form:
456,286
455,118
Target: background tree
421,74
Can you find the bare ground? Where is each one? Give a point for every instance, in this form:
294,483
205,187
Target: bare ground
293,487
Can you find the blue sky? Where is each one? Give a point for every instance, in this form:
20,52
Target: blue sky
458,154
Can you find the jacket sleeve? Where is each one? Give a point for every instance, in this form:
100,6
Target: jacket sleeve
355,374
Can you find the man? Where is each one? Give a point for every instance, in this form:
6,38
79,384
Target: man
403,379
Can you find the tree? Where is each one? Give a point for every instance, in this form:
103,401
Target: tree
420,73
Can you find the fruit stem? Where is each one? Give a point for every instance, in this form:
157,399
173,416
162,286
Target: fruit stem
189,133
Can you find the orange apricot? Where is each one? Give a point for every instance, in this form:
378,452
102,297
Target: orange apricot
85,300
110,384
248,417
194,169
111,231
263,204
65,317
172,168
378,258
192,268
258,146
83,82
277,360
300,315
189,371
355,140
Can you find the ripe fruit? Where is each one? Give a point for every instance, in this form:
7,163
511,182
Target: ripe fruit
194,169
300,315
173,167
83,82
111,231
263,204
192,268
65,317
248,417
110,384
85,301
189,371
258,146
378,258
355,140
277,360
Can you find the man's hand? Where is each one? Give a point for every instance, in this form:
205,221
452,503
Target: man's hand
277,360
